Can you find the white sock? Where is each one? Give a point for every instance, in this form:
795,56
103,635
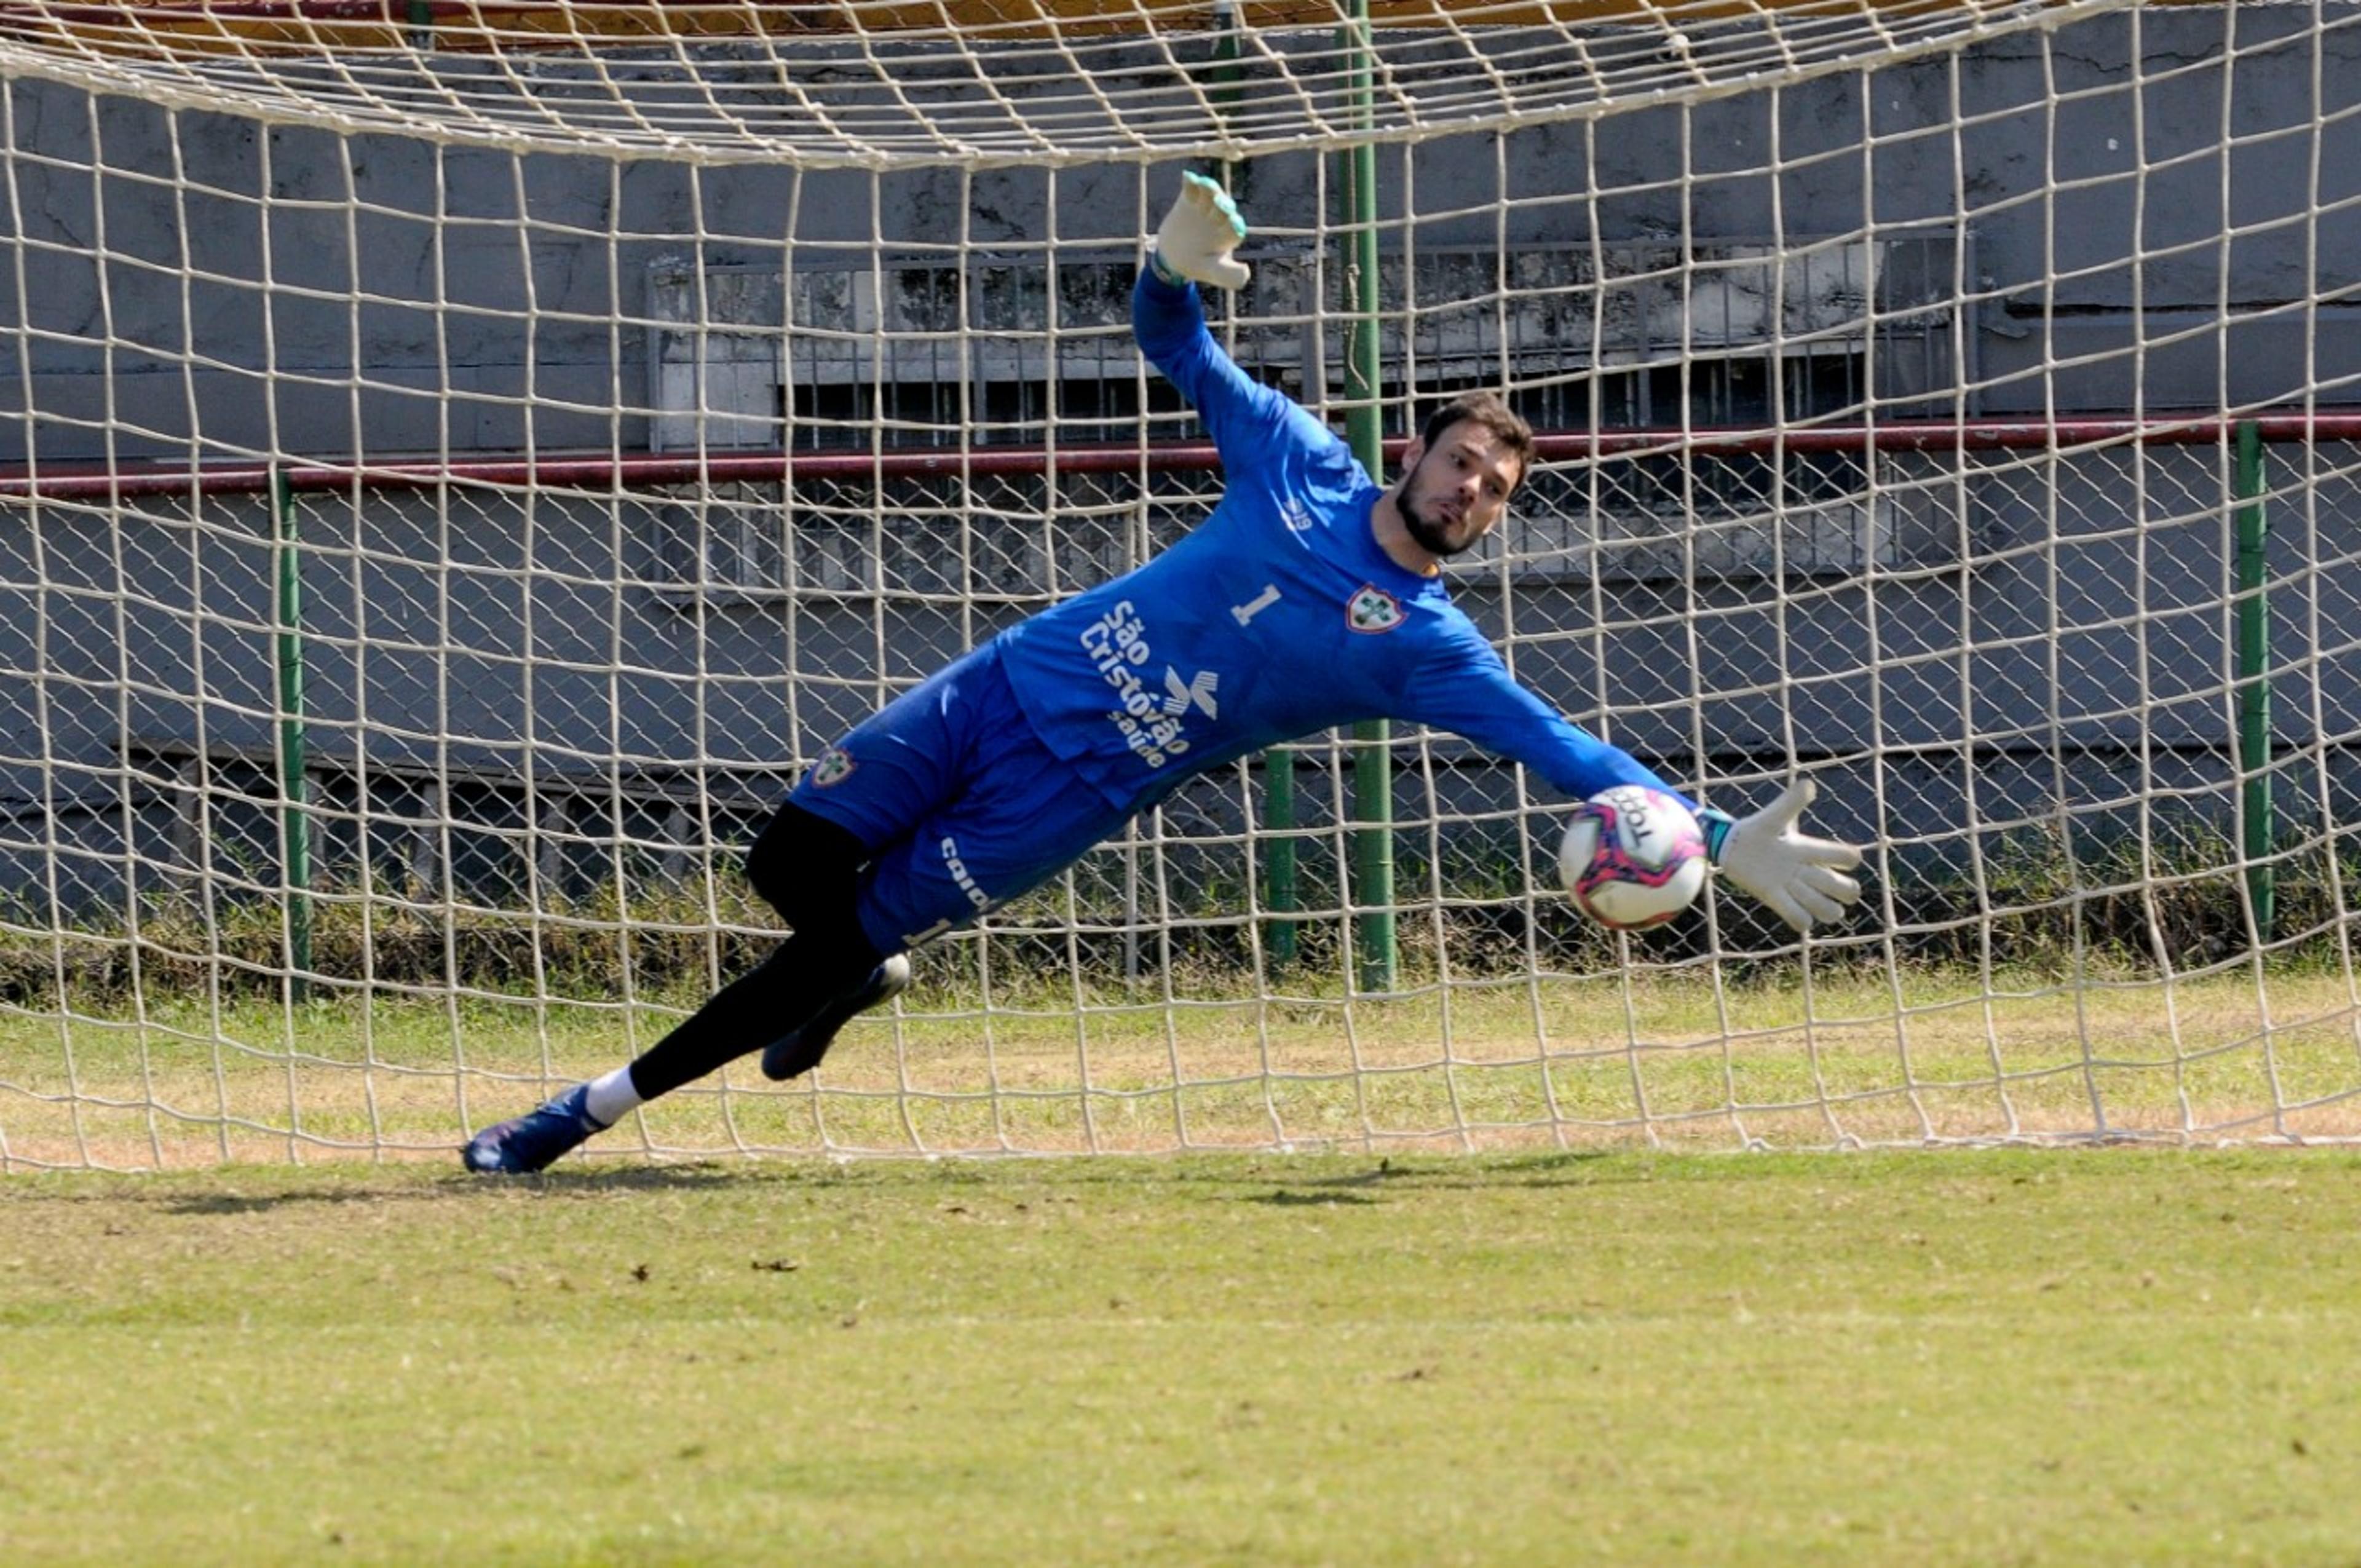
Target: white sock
612,1097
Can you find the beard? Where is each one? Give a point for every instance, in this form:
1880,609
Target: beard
1423,529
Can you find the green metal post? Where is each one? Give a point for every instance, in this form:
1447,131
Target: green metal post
295,827
1373,785
1278,887
1229,92
2254,658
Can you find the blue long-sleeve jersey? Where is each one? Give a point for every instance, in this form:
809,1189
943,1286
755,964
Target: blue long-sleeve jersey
1277,617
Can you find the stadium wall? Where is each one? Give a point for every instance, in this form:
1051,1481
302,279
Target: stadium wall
195,297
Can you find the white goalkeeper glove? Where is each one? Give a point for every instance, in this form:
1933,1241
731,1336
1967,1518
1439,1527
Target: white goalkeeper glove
1197,237
1802,879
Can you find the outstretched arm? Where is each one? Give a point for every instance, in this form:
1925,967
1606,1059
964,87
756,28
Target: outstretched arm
1802,879
1194,246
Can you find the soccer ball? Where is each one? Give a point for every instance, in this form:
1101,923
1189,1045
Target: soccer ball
1632,857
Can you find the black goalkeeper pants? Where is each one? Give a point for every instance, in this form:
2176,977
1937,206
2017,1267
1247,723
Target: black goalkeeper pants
807,869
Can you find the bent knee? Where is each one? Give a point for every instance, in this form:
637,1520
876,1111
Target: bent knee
806,867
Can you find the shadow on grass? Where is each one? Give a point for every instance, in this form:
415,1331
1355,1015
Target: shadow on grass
1286,1198
1447,1173
1462,1173
463,1187
1279,1180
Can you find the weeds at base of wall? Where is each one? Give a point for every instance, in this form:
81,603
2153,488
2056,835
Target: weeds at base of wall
2028,911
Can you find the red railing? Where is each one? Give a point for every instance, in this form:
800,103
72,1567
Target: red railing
633,471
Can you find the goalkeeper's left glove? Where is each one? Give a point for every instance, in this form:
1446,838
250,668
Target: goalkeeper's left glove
1802,879
1198,235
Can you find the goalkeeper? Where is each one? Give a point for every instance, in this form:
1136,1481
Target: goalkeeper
1309,599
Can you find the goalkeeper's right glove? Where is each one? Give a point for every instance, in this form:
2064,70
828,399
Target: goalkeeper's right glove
1802,879
1197,237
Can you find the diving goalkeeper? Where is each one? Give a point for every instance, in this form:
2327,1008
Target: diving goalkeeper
1309,599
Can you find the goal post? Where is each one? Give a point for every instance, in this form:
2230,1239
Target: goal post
455,469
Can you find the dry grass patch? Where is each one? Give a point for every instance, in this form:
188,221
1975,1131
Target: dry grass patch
1636,1059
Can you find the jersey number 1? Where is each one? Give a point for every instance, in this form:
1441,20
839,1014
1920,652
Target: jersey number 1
1256,605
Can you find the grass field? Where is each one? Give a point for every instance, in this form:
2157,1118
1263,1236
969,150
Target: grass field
1558,1348
1992,1356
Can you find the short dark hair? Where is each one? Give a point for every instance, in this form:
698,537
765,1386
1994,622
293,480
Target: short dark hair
1486,409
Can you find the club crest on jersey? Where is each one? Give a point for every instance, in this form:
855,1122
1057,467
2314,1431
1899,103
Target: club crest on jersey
1373,609
832,769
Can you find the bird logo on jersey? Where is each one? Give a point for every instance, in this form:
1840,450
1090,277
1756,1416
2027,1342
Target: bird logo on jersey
1199,692
1371,609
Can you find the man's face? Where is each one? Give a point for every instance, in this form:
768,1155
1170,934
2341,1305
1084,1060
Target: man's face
1456,492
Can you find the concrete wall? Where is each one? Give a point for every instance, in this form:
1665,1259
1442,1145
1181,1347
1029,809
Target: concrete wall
187,279
184,287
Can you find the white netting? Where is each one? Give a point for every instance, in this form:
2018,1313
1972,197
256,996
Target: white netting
882,84
459,464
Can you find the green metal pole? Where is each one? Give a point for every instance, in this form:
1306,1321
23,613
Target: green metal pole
1373,785
2253,656
1278,885
1229,92
294,828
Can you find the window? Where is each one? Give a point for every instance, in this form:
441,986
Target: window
1689,341
1649,335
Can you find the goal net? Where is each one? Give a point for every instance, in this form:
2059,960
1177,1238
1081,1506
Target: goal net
458,462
